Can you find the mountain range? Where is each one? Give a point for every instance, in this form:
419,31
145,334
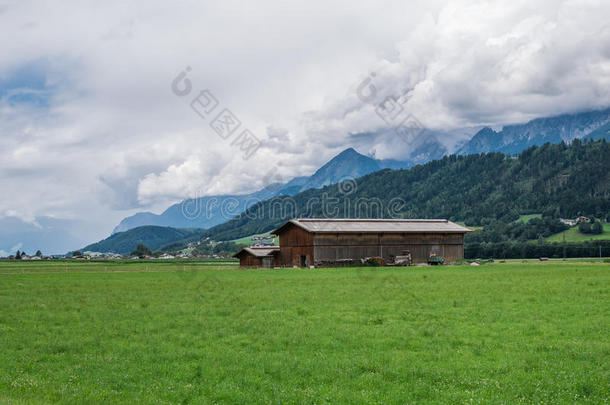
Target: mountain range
478,189
490,189
203,212
206,212
515,138
58,236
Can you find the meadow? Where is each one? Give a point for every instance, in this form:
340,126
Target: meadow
247,240
203,332
525,218
572,235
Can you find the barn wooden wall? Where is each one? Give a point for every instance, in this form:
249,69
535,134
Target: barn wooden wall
247,260
318,248
333,247
294,243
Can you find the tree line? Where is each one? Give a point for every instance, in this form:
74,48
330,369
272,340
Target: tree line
19,254
529,250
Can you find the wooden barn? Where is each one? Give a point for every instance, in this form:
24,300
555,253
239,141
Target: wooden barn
317,242
259,256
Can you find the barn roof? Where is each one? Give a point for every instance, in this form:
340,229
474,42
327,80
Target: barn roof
257,251
374,226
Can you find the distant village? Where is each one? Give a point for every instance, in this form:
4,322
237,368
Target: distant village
574,222
112,256
190,252
187,253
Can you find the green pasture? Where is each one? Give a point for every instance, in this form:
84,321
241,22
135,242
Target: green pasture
209,333
572,235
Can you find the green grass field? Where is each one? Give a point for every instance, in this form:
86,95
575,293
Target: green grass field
247,240
204,333
525,218
572,235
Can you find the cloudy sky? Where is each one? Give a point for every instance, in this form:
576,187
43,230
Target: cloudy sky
92,131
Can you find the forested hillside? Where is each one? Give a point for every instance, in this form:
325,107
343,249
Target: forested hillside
555,179
154,237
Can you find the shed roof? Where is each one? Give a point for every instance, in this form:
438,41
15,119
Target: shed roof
374,226
257,251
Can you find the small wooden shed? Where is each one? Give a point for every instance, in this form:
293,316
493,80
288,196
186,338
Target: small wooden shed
259,256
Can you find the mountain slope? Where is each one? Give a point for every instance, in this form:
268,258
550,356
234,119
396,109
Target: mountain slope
515,138
477,189
155,237
293,186
205,212
602,132
348,164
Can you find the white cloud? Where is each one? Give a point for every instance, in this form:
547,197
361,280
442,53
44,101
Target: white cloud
485,63
114,139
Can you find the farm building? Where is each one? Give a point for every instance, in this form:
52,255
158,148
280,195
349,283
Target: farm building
259,256
314,242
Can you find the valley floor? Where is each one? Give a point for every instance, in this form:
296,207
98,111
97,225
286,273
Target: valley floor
205,332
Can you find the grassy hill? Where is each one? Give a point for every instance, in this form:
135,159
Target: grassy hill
247,240
525,218
155,237
572,235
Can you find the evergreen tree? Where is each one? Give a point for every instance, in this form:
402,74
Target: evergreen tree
597,228
584,227
141,251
